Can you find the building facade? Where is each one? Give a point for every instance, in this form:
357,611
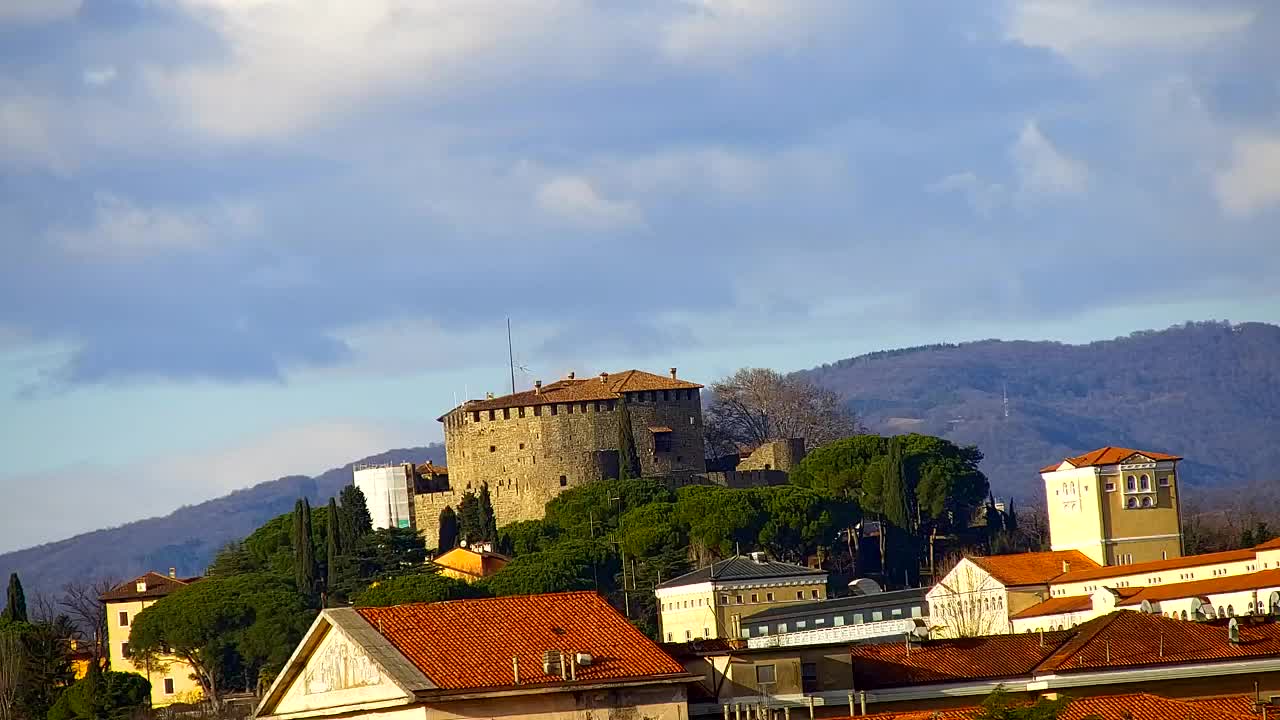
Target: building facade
530,446
718,601
171,679
471,564
1117,505
388,492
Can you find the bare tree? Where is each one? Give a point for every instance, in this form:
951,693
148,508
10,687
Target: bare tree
12,658
81,601
967,603
756,405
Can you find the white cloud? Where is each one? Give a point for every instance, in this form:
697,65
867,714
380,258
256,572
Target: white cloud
1083,30
37,11
984,197
30,136
723,30
1252,181
99,76
292,62
1043,169
575,199
121,229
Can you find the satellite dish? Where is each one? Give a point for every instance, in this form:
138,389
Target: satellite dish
1146,607
1274,603
864,586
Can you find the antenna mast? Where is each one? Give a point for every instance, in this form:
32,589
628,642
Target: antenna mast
1006,394
511,357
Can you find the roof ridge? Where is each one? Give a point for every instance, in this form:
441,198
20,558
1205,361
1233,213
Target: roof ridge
1073,645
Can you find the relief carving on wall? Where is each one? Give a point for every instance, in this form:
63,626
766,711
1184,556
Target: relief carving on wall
339,666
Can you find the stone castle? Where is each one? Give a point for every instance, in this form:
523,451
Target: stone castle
530,446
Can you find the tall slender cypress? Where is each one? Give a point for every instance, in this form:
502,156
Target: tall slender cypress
335,547
488,521
628,459
16,608
448,537
304,561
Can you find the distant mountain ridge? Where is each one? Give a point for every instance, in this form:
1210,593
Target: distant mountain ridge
1208,391
189,537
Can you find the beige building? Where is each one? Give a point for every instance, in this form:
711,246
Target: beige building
1117,505
171,679
530,446
471,564
717,601
562,656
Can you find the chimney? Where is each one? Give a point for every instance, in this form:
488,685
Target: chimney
604,377
537,387
571,375
673,373
1066,567
173,573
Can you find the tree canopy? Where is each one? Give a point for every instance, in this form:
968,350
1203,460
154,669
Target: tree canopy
756,405
427,587
102,696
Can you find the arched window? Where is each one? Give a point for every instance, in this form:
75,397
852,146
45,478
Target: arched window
1146,502
1131,502
1184,614
1145,482
1131,483
1231,612
1221,613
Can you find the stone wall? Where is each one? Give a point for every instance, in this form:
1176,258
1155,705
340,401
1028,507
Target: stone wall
781,455
529,455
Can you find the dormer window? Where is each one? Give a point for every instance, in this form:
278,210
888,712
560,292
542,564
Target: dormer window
141,586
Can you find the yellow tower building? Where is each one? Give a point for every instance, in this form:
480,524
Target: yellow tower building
1118,506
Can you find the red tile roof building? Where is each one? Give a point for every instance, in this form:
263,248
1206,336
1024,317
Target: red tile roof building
1129,706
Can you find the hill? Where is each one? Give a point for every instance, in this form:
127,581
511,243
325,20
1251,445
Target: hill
1209,392
188,538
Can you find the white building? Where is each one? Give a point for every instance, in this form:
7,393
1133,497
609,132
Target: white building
388,490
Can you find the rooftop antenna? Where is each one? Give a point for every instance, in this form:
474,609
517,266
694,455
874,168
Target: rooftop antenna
511,357
1006,399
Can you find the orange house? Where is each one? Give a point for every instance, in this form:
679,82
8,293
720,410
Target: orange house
470,564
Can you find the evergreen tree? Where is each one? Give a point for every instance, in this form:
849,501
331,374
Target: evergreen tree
304,561
896,509
470,520
628,459
16,608
897,539
355,512
488,521
448,538
334,547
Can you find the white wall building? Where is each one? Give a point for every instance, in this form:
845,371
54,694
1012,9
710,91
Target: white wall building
388,490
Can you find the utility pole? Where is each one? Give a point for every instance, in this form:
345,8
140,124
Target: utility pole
626,596
511,357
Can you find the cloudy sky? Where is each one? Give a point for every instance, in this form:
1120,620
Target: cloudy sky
245,238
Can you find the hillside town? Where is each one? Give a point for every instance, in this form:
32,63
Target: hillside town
524,578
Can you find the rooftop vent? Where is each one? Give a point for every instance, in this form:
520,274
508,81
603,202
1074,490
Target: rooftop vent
864,586
141,586
583,659
673,373
1233,631
571,375
758,557
173,573
1066,566
537,387
604,377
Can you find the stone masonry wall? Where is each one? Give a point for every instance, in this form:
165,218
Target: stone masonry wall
529,455
781,455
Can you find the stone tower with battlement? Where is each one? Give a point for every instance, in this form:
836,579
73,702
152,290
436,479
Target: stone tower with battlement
530,446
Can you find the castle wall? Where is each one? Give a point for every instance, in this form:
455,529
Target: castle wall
781,455
529,455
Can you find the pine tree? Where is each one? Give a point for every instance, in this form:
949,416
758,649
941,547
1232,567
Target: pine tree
448,538
488,522
16,608
355,514
304,561
628,459
335,547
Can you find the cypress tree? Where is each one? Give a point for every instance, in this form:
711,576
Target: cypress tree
334,548
895,530
470,525
628,459
304,561
895,488
488,522
16,608
355,510
448,538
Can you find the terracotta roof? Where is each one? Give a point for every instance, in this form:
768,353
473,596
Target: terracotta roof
942,661
606,386
157,586
472,562
1126,639
469,644
1243,705
1210,586
1108,456
743,568
1269,545
1189,561
1036,568
1130,706
430,468
1056,606
659,429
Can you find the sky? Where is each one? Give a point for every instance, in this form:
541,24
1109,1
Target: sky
247,238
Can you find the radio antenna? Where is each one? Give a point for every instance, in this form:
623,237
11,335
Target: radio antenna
511,357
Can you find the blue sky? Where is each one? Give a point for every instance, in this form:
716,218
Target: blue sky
245,238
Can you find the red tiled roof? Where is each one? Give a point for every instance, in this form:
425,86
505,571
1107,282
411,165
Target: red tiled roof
469,644
1132,639
1189,561
1056,606
157,586
1107,456
1273,544
607,386
1131,706
1210,586
1036,568
1243,705
941,661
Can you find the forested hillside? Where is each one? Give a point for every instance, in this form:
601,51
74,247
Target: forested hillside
187,538
1207,391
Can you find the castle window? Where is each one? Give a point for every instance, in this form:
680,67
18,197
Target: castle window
1145,482
662,442
599,406
537,411
569,408
555,409
665,396
521,446
583,408
475,416
490,414
521,411
563,481
506,413
493,448
609,405
1131,483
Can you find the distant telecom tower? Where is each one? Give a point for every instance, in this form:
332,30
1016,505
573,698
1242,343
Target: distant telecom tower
1006,399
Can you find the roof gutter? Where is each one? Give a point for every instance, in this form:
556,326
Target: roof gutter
477,694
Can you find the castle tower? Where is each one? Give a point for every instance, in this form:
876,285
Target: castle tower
1116,505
